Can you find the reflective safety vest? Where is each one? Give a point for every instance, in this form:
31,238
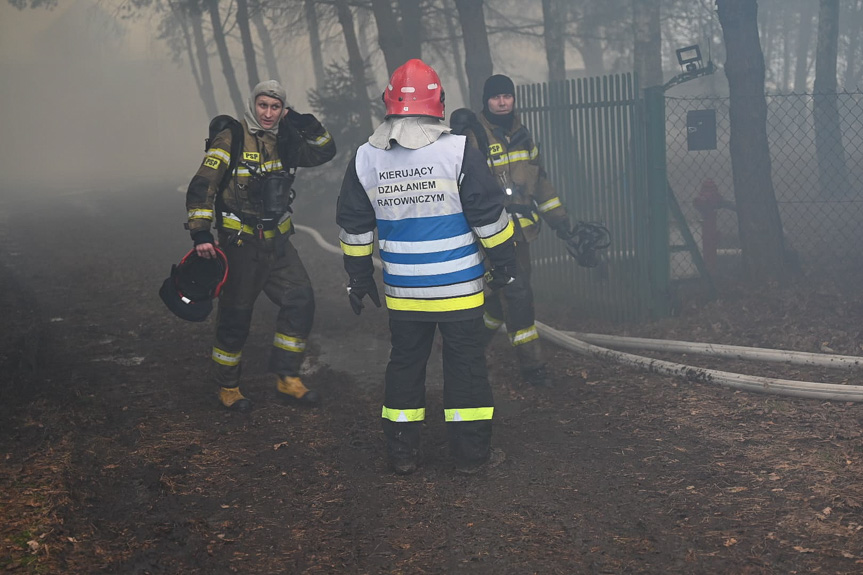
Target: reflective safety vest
430,254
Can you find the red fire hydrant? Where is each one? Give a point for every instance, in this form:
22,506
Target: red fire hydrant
708,202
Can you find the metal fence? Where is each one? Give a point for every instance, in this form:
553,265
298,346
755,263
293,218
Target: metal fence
591,138
821,217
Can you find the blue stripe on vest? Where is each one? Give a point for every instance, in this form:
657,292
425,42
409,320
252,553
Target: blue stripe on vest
429,257
423,229
466,275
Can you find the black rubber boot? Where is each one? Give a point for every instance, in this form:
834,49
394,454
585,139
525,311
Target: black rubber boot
536,376
495,457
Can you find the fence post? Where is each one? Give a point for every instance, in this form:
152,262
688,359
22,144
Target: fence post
657,199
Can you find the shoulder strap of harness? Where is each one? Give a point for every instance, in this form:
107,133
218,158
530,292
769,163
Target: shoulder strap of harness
217,125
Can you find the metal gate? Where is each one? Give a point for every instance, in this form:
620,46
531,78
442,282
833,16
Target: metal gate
592,136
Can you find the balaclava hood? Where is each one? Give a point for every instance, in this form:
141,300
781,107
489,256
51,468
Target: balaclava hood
494,85
269,88
412,132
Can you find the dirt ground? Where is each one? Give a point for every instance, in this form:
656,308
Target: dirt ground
115,458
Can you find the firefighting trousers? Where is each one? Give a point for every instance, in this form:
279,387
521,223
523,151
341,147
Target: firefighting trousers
275,269
513,304
467,397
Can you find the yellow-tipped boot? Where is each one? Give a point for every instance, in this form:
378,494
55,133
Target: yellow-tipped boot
293,389
232,399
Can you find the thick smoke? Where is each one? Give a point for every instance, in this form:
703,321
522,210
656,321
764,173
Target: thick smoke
87,101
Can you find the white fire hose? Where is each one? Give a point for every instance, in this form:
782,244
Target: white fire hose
583,343
805,389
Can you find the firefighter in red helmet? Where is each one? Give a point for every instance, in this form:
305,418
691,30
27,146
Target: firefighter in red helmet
434,205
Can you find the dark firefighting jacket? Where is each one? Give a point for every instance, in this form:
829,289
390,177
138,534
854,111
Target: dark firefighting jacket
514,160
433,208
234,211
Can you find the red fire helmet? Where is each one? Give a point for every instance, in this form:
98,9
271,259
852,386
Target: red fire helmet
414,90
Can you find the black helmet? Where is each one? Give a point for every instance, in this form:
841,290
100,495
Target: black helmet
193,284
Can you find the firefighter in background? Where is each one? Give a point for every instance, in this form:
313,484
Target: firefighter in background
433,203
252,216
529,195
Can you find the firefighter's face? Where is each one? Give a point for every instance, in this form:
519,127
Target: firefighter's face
268,111
501,104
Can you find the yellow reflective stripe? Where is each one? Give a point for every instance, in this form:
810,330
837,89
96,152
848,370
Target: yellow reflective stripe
491,322
516,156
357,251
289,343
524,222
226,357
274,166
200,214
468,414
500,237
524,335
219,154
489,230
233,224
404,415
549,205
436,305
321,140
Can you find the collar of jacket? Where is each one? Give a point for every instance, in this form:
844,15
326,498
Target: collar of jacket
412,132
516,135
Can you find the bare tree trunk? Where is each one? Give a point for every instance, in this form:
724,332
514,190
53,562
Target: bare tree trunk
225,56
757,212
786,49
412,28
355,65
315,43
478,64
248,44
456,53
266,45
389,35
804,37
208,94
554,28
852,52
647,51
591,55
767,33
832,170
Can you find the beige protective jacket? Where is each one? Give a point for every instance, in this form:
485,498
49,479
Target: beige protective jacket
514,160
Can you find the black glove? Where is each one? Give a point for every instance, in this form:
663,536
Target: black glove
358,288
584,240
301,122
203,237
497,278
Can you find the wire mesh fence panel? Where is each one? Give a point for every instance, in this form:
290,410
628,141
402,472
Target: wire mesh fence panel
817,178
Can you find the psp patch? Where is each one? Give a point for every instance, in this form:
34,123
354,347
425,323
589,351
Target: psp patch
212,163
252,157
495,149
